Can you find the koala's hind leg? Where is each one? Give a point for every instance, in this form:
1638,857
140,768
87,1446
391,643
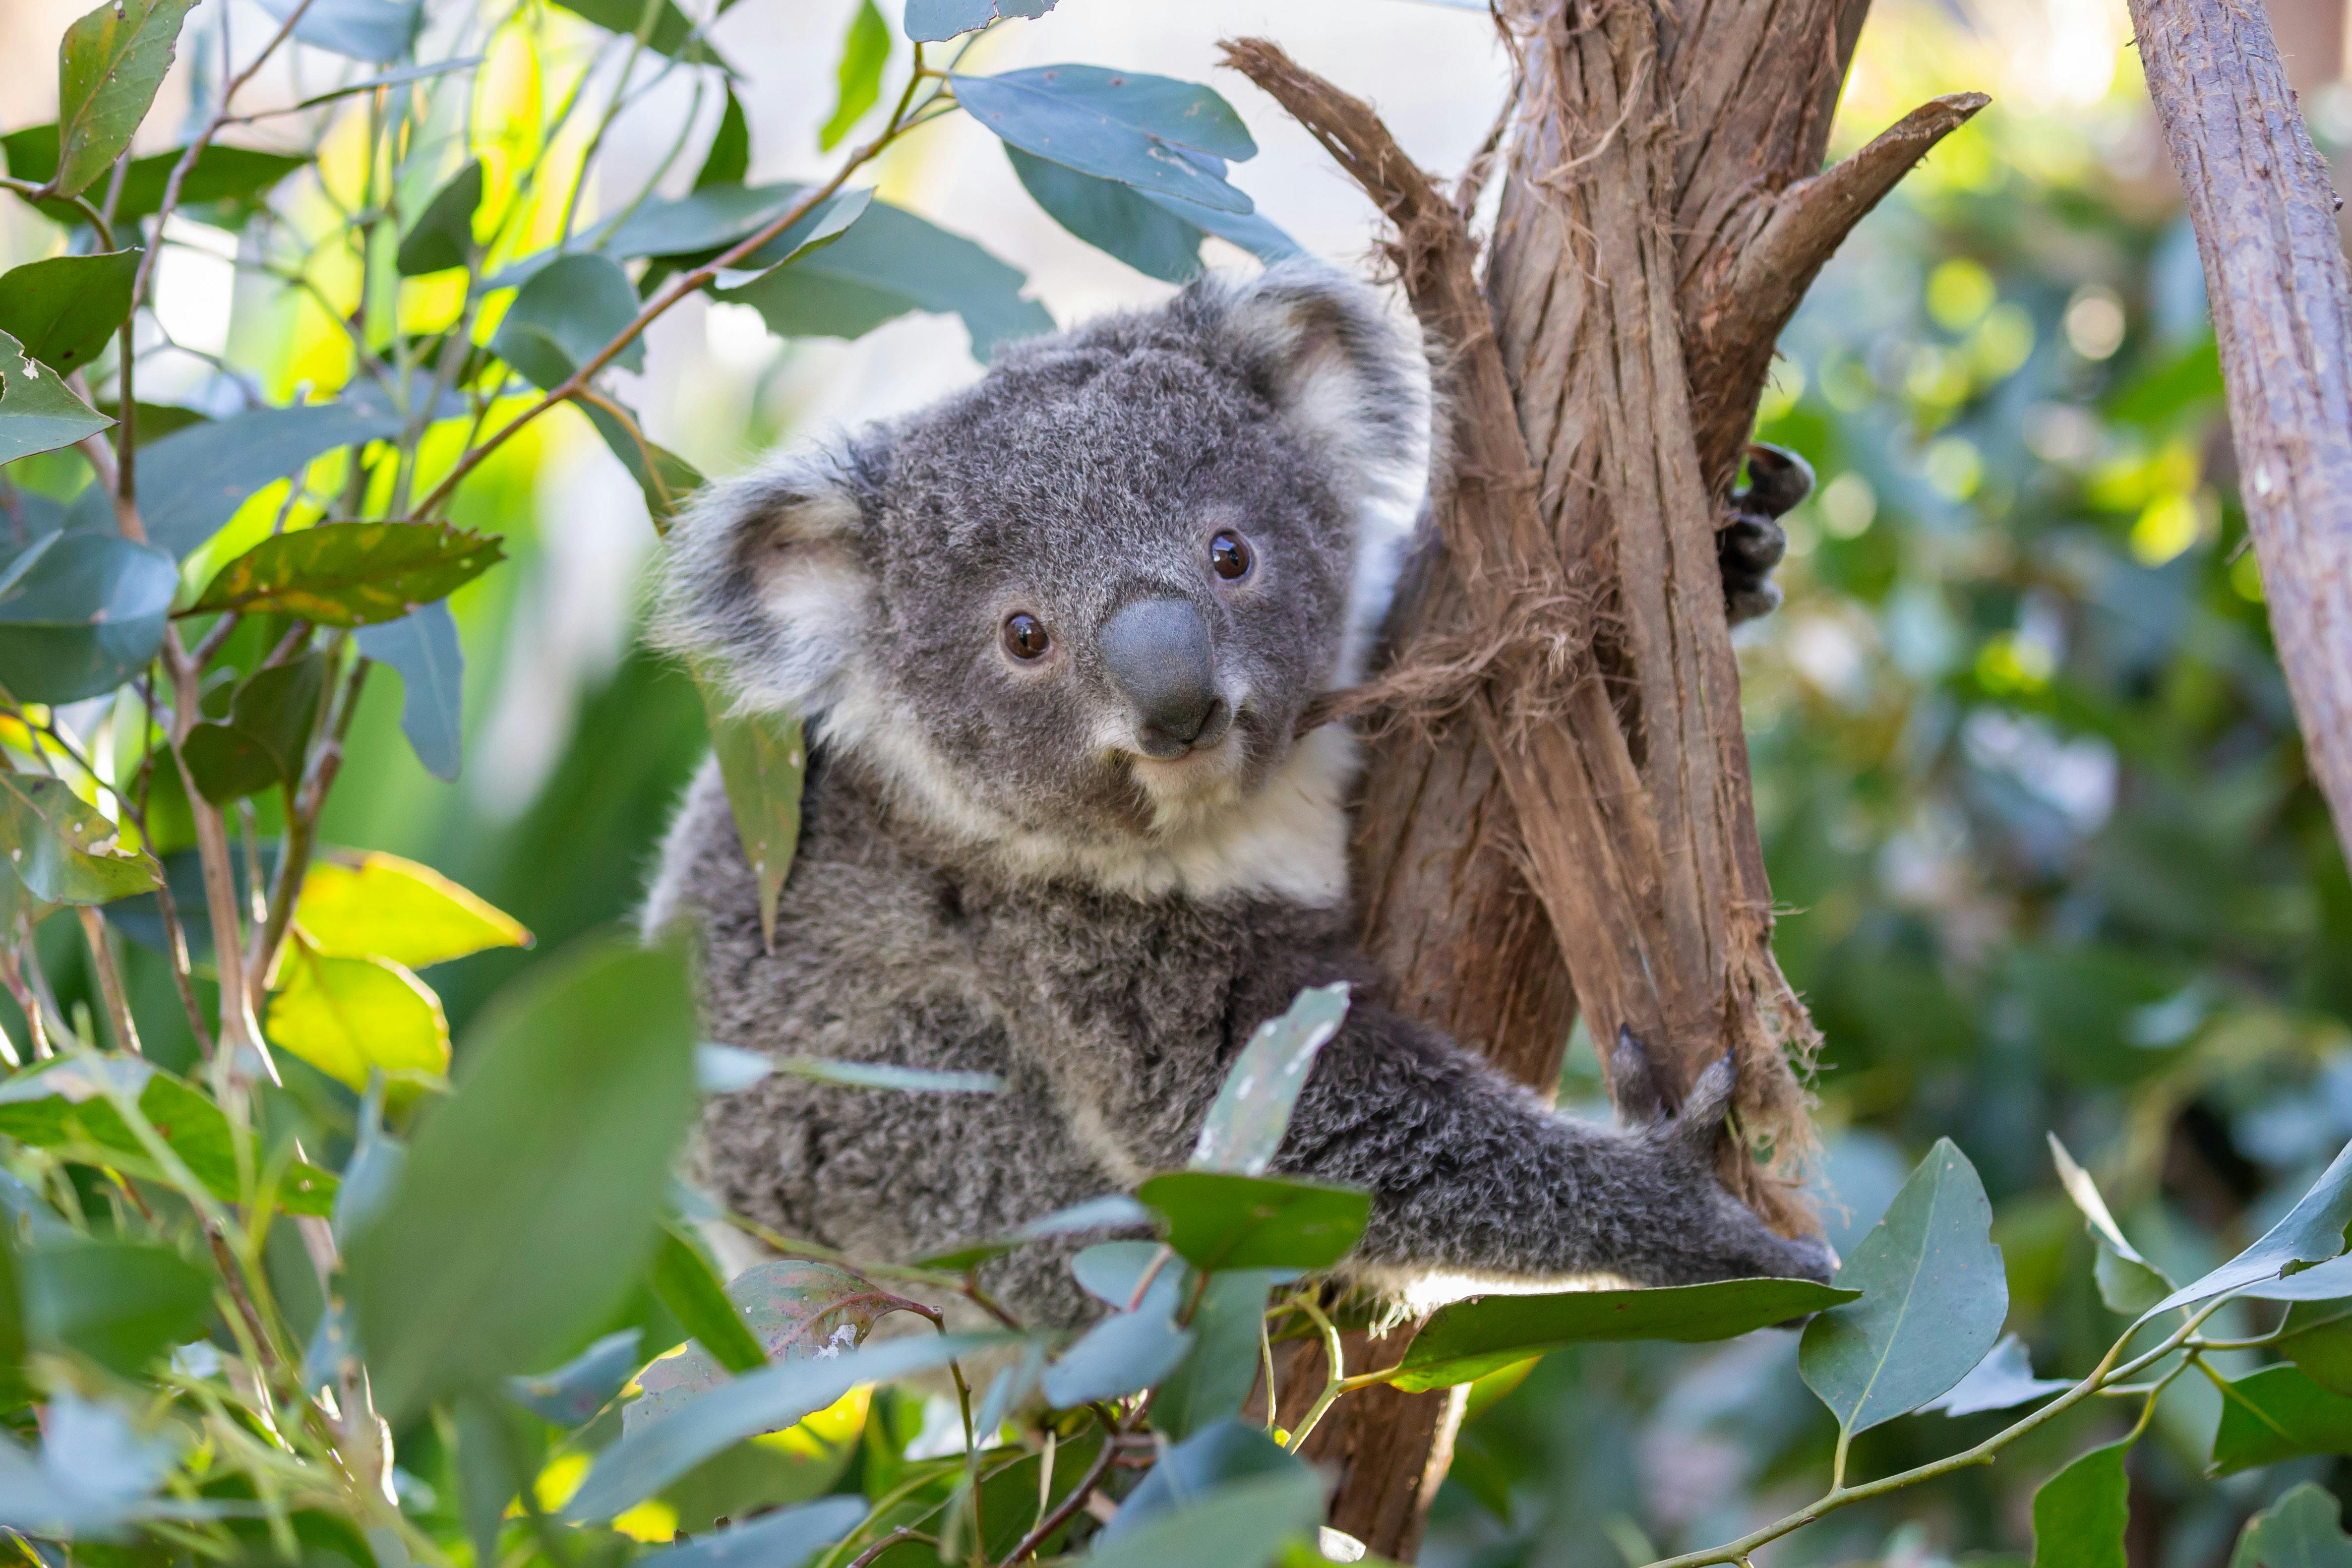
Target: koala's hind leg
1751,544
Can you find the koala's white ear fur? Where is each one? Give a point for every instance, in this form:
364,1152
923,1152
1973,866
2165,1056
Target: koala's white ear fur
763,578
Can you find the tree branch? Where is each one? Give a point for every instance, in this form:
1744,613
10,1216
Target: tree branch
2259,198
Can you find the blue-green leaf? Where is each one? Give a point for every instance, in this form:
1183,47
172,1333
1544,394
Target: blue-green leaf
1218,1454
1934,1296
423,647
565,315
1125,1353
2312,1232
442,235
2004,1378
2302,1529
1239,1524
81,613
372,30
934,21
785,1538
38,411
1252,1110
193,482
570,1394
1114,1211
1118,125
1217,1374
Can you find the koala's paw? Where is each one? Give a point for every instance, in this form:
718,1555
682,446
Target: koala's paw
1751,544
1714,1236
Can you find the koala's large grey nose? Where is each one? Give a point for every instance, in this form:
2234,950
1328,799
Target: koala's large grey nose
1158,652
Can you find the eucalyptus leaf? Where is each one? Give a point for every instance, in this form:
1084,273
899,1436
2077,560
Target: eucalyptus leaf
374,30
672,33
350,574
1114,1211
372,1173
38,411
1216,1455
2278,1413
1252,1111
762,762
857,81
222,173
643,1462
65,309
887,1075
2312,1232
665,479
2317,1336
1238,1524
563,317
809,233
353,1016
2080,1514
96,1474
264,741
572,1394
382,906
1122,1354
2003,1379
935,21
121,1304
80,613
695,1296
423,647
1221,1366
62,848
1220,1220
108,65
2302,1529
729,157
532,1193
1116,125
442,238
785,1538
193,482
1466,1339
1933,1297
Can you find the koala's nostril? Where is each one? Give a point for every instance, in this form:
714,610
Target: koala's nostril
1158,652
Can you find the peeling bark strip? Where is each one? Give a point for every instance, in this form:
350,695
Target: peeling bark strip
2274,271
1574,800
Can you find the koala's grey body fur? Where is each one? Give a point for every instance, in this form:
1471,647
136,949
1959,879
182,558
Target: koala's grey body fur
1000,868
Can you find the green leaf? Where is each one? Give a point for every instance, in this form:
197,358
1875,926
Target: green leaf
2278,1413
193,482
2079,1513
809,233
423,647
786,1538
61,1101
2312,1232
563,317
350,574
2128,1283
65,309
1219,1220
762,762
530,1194
120,1304
890,263
671,34
1122,1354
1241,1524
730,158
443,236
2317,1336
351,1017
2302,1529
1216,1375
2003,1379
1113,218
62,848
1117,125
1934,1296
1114,1211
14,1392
644,1461
1466,1339
264,741
38,411
859,77
1224,1452
238,175
385,906
109,64
693,1294
571,1394
1252,1111
663,478
81,613
706,220
935,21
373,30
792,1309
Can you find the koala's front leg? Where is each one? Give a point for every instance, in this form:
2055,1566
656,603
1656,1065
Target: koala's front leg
1751,545
1471,1174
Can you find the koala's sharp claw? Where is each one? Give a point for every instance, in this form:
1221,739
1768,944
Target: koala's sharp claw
1633,1081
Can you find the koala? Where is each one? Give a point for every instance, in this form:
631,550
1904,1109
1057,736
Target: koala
1050,638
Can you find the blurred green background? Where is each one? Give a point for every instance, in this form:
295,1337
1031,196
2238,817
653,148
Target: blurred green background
2031,790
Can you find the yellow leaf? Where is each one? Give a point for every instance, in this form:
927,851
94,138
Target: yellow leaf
345,1015
386,907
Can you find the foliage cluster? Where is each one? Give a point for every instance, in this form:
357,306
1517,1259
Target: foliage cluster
272,1287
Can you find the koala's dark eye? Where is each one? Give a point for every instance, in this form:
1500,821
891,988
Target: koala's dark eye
1230,557
1024,637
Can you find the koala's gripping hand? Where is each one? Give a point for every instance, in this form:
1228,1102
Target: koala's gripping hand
1725,1232
1751,545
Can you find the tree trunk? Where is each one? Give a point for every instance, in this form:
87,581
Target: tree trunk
2274,271
1567,795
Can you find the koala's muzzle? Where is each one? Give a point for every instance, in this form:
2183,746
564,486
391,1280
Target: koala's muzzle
1159,655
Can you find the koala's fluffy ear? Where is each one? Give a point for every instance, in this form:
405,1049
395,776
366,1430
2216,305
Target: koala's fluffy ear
762,579
1345,373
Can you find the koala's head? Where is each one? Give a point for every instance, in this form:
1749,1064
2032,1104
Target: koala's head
1087,599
